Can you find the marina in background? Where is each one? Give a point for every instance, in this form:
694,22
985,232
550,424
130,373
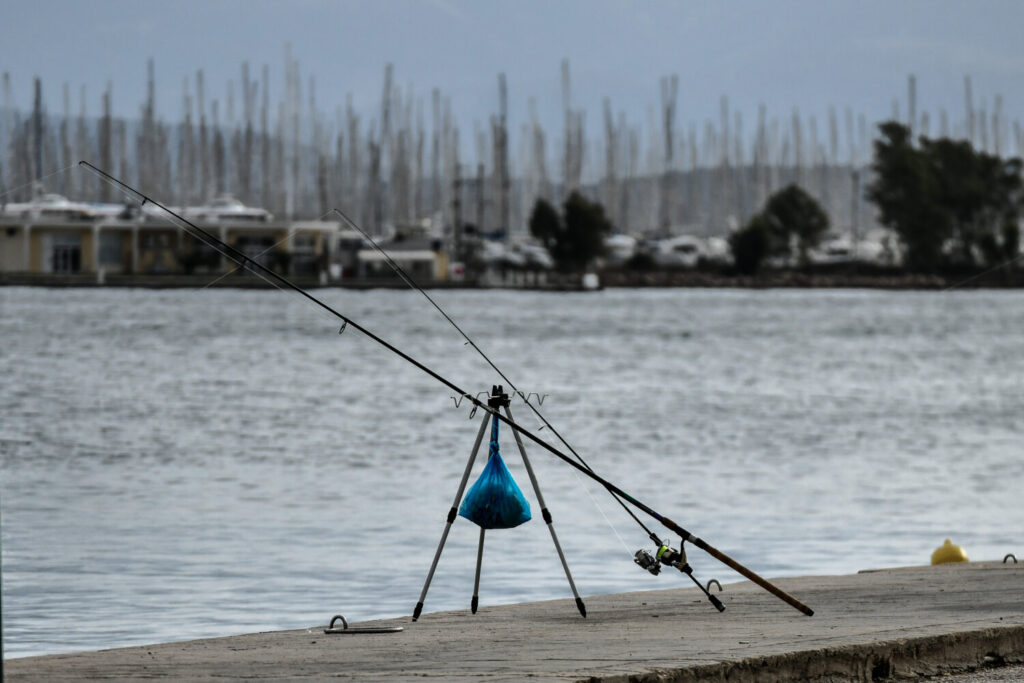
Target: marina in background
673,192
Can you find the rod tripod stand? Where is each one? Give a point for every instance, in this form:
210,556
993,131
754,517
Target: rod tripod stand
498,400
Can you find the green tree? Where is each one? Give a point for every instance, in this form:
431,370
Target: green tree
575,239
585,228
946,201
904,191
751,244
545,224
981,197
792,213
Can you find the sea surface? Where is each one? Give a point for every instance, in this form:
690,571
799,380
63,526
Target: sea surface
188,463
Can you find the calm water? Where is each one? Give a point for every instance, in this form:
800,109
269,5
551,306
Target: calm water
196,463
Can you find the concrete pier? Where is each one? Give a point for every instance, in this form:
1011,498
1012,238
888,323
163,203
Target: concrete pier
876,625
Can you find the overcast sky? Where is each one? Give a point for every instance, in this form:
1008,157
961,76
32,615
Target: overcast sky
785,54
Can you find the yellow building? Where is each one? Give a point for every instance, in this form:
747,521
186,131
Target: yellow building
53,235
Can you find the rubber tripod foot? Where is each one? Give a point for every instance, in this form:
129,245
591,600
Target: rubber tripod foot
581,607
473,605
416,612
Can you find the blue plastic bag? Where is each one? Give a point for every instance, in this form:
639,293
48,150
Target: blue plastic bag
495,501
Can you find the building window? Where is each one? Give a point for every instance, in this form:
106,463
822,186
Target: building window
160,240
66,252
111,248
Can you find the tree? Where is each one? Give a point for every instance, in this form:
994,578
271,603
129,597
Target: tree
575,239
790,213
946,201
585,228
980,195
751,244
904,191
545,224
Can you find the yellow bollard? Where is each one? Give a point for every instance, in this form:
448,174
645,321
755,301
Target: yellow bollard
948,552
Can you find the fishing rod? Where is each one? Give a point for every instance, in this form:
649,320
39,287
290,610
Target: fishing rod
408,279
664,554
261,270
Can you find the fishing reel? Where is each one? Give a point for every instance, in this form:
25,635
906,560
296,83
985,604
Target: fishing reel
664,555
646,561
670,557
673,558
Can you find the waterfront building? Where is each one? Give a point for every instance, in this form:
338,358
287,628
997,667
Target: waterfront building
52,235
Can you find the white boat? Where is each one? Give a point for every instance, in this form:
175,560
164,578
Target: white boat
717,249
683,250
227,209
536,256
619,248
51,206
870,248
516,254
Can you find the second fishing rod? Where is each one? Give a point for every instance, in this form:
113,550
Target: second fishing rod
283,282
411,282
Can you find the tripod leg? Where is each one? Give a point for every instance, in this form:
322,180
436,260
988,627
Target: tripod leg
547,518
451,516
476,581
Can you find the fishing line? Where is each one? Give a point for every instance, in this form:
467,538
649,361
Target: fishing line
205,237
241,258
234,270
412,283
983,273
33,182
590,495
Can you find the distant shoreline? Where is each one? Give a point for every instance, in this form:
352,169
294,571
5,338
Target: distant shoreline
814,278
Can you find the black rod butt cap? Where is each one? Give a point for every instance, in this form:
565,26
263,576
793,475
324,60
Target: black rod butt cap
581,607
473,605
416,612
717,603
